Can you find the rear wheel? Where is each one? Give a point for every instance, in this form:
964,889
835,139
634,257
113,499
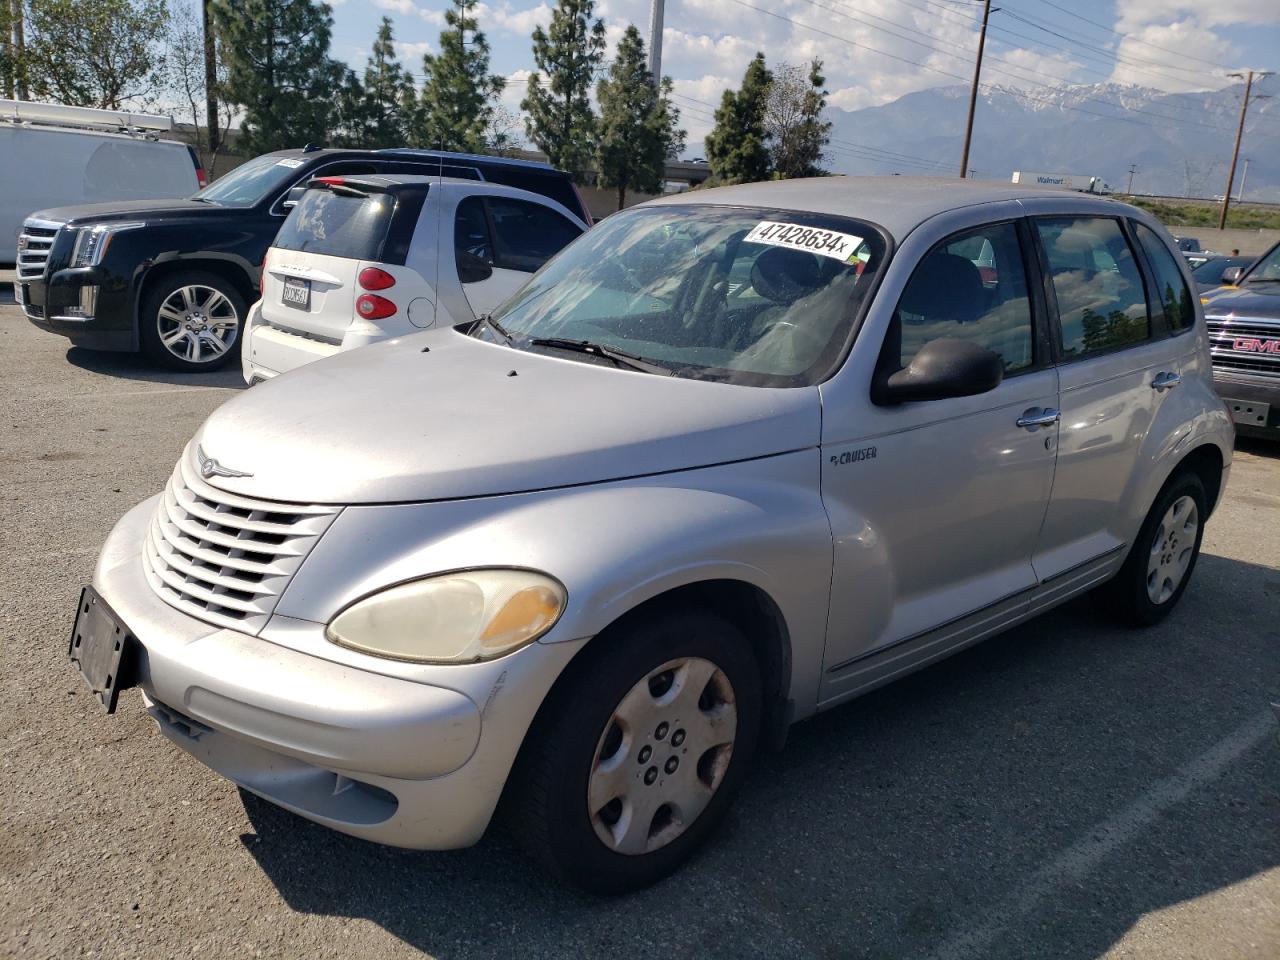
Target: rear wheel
192,321
641,753
1159,565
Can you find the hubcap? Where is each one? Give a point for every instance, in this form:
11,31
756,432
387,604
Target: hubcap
1171,549
662,756
197,323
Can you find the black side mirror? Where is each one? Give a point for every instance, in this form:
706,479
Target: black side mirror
1232,274
471,269
942,369
293,197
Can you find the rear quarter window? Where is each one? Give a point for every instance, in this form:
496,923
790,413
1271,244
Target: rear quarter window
335,225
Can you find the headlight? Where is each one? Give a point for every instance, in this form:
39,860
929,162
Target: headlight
453,618
92,242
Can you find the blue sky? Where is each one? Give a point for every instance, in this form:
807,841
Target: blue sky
875,50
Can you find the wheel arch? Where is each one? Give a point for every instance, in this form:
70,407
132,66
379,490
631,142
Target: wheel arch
229,270
1206,461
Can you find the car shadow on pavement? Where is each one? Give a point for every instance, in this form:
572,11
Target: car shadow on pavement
136,366
1035,796
1259,447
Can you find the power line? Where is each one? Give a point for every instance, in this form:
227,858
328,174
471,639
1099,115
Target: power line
1127,36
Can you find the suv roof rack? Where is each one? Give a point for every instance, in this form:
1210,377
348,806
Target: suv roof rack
59,115
449,155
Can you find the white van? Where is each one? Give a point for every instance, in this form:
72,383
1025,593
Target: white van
57,156
363,258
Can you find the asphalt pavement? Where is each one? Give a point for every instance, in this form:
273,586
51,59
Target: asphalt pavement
1069,789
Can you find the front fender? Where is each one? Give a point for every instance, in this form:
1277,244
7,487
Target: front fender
612,545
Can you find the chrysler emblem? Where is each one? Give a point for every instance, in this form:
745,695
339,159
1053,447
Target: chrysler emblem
210,467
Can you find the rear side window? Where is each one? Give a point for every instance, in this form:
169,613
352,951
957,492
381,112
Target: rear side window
1101,301
1171,289
526,235
553,186
472,245
972,286
335,225
138,170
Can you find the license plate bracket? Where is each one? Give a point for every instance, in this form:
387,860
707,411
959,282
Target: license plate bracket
102,649
1249,413
296,293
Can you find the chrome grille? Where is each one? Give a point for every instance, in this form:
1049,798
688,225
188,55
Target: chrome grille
34,244
225,558
1262,334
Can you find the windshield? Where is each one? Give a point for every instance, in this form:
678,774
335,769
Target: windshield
251,182
741,295
1267,268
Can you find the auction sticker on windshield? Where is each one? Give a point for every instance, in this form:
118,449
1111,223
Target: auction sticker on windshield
826,243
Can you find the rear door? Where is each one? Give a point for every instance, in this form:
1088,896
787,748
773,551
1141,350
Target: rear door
309,278
500,241
1113,361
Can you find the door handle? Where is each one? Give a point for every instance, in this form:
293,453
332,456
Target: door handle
1165,381
1038,417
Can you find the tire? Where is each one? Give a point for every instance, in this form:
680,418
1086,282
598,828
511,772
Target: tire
1164,554
192,321
625,701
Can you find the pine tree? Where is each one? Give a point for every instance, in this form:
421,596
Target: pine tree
278,70
738,146
456,103
637,124
793,119
389,94
567,55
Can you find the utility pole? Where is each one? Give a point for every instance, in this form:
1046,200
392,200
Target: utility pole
19,48
1128,191
1235,154
655,40
973,92
1243,177
210,83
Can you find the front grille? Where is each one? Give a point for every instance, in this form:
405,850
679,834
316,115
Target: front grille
1226,334
34,245
225,558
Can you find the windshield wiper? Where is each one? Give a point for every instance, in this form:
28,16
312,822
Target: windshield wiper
620,357
486,319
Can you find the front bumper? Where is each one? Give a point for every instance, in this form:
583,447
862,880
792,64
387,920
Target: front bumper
408,762
82,304
1254,402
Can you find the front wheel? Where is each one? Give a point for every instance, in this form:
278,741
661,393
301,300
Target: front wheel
192,321
641,752
1159,565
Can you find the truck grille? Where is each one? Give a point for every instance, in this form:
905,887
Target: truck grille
225,558
34,244
1249,345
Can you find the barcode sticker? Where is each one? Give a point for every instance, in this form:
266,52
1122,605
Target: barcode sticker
826,243
292,162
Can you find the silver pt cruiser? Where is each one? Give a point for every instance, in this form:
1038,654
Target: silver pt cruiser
725,462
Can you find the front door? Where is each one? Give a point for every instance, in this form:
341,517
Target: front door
936,506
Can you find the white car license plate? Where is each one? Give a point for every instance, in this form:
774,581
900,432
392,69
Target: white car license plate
296,293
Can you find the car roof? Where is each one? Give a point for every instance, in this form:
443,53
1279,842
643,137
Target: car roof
411,153
899,204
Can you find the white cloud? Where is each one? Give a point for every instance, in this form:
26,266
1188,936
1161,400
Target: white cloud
399,6
410,52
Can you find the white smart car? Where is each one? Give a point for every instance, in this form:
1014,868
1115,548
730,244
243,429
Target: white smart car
368,258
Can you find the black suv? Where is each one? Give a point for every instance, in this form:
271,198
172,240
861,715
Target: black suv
105,274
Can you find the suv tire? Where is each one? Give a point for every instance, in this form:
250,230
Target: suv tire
192,321
654,728
1159,565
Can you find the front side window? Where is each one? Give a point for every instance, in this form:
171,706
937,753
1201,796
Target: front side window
1101,301
526,235
735,294
972,286
1171,289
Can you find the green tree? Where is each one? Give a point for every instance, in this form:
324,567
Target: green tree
567,54
456,103
738,146
388,94
102,53
798,134
278,70
638,131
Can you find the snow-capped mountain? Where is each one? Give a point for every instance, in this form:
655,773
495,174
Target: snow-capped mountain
1181,142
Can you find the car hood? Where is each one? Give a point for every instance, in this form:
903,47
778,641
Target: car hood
129,210
1250,300
442,415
